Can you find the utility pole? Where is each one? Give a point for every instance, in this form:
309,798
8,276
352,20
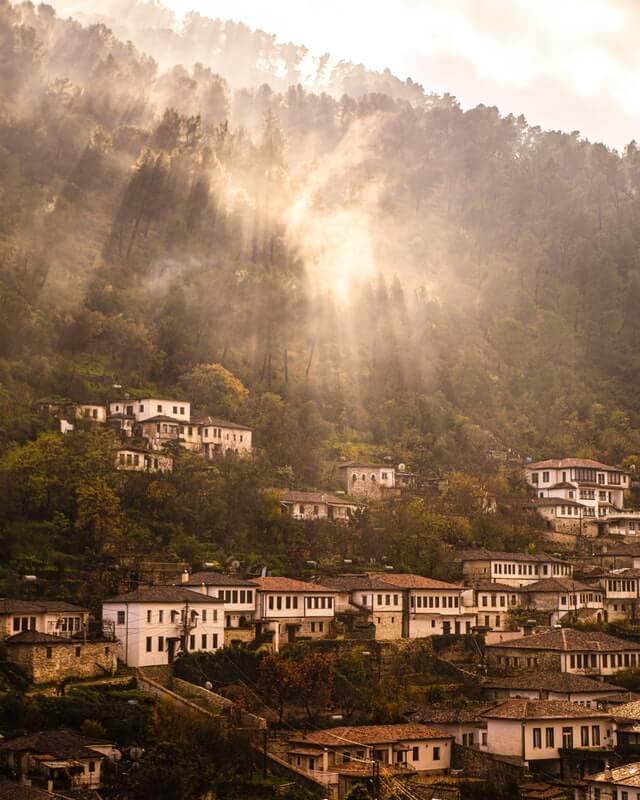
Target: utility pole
375,779
186,627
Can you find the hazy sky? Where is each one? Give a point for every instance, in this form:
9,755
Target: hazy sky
569,64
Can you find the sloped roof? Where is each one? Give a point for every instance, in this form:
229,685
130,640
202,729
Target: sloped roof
481,554
541,709
486,585
162,594
211,578
629,710
12,790
197,419
424,713
371,734
410,581
35,637
552,682
9,605
295,496
570,640
59,744
277,584
352,583
556,501
560,463
365,465
628,775
560,585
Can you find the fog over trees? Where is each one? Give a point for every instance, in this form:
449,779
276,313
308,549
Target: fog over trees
349,264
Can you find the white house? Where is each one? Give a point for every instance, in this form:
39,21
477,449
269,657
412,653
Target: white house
294,609
367,481
365,597
54,617
512,569
565,598
152,625
318,505
432,607
535,731
137,459
238,595
542,685
334,752
219,436
149,407
491,602
621,589
599,488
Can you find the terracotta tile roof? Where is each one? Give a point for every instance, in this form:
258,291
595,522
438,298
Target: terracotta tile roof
552,682
560,585
163,418
409,581
556,501
277,584
16,606
559,463
628,775
424,713
204,420
59,744
486,585
294,496
351,583
480,554
570,640
35,637
541,709
629,710
211,578
365,465
162,594
371,734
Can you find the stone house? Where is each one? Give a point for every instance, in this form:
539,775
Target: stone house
293,609
50,659
621,589
57,760
54,617
565,599
364,600
219,436
153,624
430,607
367,481
565,650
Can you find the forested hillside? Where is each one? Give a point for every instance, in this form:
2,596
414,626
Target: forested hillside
374,271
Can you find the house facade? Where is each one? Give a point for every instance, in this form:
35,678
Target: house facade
491,603
367,481
152,625
542,685
363,599
614,783
293,609
565,650
54,617
137,459
318,506
565,599
512,569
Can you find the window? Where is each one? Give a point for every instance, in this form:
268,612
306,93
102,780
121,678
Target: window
545,477
148,615
160,644
214,644
537,738
120,618
567,738
92,766
436,754
549,738
192,642
595,735
584,736
534,477
182,409
159,409
148,644
203,643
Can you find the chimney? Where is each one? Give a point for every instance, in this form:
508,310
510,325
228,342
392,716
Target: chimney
184,578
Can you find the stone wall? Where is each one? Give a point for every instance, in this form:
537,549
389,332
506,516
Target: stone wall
53,662
388,624
546,661
232,635
502,773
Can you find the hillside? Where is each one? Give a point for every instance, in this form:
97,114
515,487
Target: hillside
378,273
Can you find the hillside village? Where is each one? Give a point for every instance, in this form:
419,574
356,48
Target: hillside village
545,645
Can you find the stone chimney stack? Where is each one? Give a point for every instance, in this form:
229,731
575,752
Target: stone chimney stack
184,578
